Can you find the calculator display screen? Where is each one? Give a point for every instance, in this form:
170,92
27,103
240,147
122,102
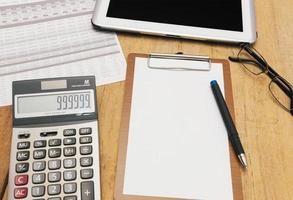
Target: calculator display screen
57,103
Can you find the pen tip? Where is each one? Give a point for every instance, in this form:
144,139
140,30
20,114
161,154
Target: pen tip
243,160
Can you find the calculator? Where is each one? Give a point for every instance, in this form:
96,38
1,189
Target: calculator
55,145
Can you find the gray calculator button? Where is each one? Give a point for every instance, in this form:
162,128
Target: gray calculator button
85,140
69,163
69,141
40,143
85,131
48,134
69,151
69,188
23,145
86,173
54,198
54,176
54,164
22,155
85,150
86,161
39,165
38,191
21,167
39,178
69,175
54,142
87,190
54,189
70,198
39,154
69,132
55,152
23,136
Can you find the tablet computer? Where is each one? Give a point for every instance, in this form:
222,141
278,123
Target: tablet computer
219,20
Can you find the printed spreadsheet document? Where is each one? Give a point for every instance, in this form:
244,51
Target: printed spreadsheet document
54,38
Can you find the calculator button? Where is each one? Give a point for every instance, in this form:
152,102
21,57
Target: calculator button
54,176
69,163
69,175
40,143
38,191
69,132
39,165
54,164
86,173
69,151
20,193
54,153
87,190
39,154
21,180
23,145
54,142
69,188
70,198
54,189
85,140
22,155
69,141
23,136
39,178
85,131
55,198
85,150
86,161
22,167
48,134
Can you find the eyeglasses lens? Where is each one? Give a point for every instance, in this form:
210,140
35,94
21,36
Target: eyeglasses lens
279,95
251,64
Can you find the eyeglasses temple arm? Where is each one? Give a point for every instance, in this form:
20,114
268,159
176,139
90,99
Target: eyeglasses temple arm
291,104
243,60
271,72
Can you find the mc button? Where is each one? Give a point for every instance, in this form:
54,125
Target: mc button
22,155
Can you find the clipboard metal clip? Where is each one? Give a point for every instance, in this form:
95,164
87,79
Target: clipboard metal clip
179,62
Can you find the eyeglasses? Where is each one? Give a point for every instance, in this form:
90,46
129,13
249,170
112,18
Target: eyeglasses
280,89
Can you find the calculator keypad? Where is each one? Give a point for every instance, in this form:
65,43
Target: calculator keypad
56,168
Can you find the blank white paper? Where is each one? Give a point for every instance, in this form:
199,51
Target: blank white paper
178,144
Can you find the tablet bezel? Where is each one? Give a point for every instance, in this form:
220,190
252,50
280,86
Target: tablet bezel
100,20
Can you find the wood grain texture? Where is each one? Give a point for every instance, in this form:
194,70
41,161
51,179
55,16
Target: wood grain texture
265,129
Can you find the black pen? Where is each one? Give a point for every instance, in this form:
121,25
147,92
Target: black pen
232,132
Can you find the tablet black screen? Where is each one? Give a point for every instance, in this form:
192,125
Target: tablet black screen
215,14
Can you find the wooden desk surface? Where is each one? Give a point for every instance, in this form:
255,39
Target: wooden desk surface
265,129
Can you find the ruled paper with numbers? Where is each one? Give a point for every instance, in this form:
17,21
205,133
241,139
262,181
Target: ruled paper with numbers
50,38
